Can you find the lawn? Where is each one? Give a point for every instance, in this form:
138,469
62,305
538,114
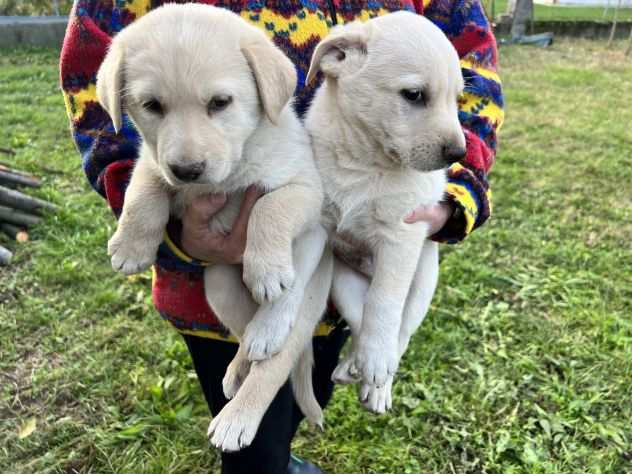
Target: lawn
568,13
522,366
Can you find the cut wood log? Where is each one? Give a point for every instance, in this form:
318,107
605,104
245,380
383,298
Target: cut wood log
9,177
8,167
12,216
15,232
5,256
18,200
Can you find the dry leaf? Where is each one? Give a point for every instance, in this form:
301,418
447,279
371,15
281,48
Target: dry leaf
27,428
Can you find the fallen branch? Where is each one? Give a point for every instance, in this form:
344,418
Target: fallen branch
48,170
5,256
9,376
10,177
18,200
14,232
16,217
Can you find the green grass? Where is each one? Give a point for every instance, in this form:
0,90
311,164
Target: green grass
568,13
522,366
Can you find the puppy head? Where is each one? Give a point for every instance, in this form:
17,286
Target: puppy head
196,81
397,78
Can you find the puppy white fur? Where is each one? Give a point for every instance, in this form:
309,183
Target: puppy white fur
210,96
384,127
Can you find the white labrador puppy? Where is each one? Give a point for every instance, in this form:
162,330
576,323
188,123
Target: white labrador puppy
210,96
384,127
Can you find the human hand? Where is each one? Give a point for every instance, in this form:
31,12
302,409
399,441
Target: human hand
436,216
200,243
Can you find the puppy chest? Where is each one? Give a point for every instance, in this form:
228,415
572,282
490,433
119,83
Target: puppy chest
357,226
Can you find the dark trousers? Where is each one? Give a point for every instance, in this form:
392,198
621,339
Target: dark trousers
269,453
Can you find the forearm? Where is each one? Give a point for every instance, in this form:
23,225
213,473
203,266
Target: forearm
480,112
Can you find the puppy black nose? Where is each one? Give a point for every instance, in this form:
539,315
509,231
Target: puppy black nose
453,154
187,173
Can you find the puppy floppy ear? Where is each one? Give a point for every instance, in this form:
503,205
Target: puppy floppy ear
274,72
110,84
344,48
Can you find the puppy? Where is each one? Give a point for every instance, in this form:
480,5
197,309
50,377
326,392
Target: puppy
384,127
209,95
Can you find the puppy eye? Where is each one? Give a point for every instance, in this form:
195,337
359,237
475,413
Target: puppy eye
414,96
219,103
154,107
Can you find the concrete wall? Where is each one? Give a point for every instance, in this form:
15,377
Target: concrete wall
49,31
577,29
612,4
32,31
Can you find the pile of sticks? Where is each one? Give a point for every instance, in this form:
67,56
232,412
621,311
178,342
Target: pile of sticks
18,211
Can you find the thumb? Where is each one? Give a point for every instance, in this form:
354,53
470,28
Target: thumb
420,214
250,199
204,207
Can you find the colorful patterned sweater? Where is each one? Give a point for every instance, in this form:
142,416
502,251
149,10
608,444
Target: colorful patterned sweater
296,26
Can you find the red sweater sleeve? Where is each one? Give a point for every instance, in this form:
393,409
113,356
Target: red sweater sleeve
480,111
107,157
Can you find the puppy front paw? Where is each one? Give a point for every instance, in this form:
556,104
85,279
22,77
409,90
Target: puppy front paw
267,279
131,255
236,373
233,428
346,372
376,363
267,332
377,399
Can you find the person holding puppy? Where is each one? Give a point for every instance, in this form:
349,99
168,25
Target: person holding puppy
178,292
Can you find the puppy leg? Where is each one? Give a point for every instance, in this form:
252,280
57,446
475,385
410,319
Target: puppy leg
234,307
228,297
379,399
377,353
276,220
348,292
142,223
236,373
271,324
421,292
236,425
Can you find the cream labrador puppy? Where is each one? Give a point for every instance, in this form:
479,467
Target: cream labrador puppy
210,97
384,127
